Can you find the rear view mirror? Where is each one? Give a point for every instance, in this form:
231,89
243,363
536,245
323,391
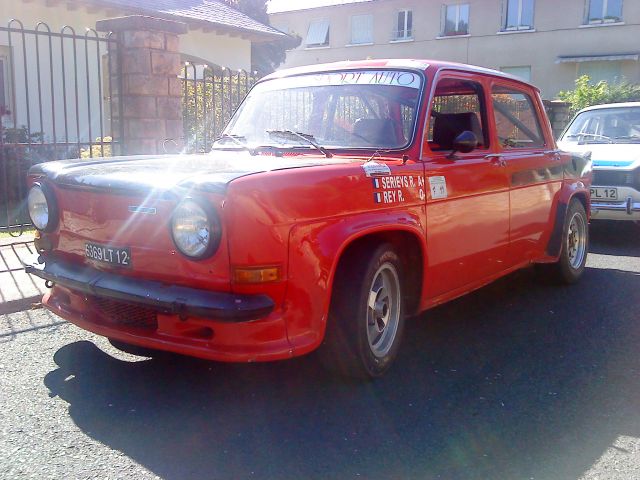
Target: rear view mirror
464,143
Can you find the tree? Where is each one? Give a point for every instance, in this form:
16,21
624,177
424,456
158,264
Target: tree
586,93
267,56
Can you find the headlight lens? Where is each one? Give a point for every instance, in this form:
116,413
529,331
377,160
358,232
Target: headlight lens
41,208
195,229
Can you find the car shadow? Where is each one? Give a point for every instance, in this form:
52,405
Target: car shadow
518,380
615,238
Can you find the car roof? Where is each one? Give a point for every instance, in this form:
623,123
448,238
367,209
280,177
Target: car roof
610,105
399,63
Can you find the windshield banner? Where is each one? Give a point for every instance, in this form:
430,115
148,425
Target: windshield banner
394,78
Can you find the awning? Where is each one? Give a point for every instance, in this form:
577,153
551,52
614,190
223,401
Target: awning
616,57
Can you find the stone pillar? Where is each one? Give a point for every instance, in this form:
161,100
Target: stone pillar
559,113
146,83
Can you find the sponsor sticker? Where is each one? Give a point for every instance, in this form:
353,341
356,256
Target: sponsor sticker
375,169
395,189
438,187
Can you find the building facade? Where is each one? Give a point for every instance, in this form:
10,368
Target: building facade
547,42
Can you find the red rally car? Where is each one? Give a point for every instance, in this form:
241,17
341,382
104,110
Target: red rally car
340,200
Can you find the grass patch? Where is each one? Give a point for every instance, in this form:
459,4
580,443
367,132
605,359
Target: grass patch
15,233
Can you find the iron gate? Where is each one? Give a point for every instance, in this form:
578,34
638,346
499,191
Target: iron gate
210,97
58,100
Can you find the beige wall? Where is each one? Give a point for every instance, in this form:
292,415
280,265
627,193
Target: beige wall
558,31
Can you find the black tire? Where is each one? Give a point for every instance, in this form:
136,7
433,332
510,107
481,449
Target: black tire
361,342
575,247
137,350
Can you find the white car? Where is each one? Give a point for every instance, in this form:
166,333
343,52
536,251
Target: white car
612,134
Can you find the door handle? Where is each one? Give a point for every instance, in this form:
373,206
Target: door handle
554,154
496,160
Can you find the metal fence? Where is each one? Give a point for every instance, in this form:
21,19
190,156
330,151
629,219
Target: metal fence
59,102
211,95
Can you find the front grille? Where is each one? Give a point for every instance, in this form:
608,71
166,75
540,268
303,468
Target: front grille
616,179
126,314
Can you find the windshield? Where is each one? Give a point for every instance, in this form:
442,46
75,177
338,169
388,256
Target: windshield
370,109
607,125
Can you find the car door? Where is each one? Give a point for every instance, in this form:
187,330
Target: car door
467,193
533,166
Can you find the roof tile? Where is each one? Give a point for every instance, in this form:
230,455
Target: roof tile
211,11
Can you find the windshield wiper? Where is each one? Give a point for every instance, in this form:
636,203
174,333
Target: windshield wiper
595,136
627,137
307,137
237,139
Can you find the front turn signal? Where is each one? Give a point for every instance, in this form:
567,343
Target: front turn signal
256,275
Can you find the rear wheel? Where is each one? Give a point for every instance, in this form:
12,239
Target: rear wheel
575,246
366,320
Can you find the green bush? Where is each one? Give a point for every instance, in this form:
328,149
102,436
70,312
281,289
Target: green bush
587,94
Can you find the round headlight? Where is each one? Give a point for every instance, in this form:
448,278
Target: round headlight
195,229
42,208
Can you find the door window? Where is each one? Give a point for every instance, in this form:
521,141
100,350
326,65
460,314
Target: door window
517,122
458,106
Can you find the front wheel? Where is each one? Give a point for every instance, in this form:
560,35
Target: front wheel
366,320
575,246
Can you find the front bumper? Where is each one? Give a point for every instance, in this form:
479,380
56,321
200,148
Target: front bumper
628,208
168,299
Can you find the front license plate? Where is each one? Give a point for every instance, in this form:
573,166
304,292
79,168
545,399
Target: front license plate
604,193
108,254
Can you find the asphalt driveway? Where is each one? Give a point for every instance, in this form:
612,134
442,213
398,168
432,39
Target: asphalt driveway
519,380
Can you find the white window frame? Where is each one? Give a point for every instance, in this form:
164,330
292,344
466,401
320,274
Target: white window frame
519,25
407,33
5,71
602,19
458,7
327,41
367,41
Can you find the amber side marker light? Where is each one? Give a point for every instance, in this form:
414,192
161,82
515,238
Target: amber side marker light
256,275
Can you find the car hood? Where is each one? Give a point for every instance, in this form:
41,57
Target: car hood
211,172
608,155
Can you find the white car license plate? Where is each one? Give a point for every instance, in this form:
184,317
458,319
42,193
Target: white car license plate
107,254
604,193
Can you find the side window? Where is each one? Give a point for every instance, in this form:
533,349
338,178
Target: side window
458,105
517,122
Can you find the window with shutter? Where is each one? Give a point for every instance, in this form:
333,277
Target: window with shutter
523,72
361,29
318,34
